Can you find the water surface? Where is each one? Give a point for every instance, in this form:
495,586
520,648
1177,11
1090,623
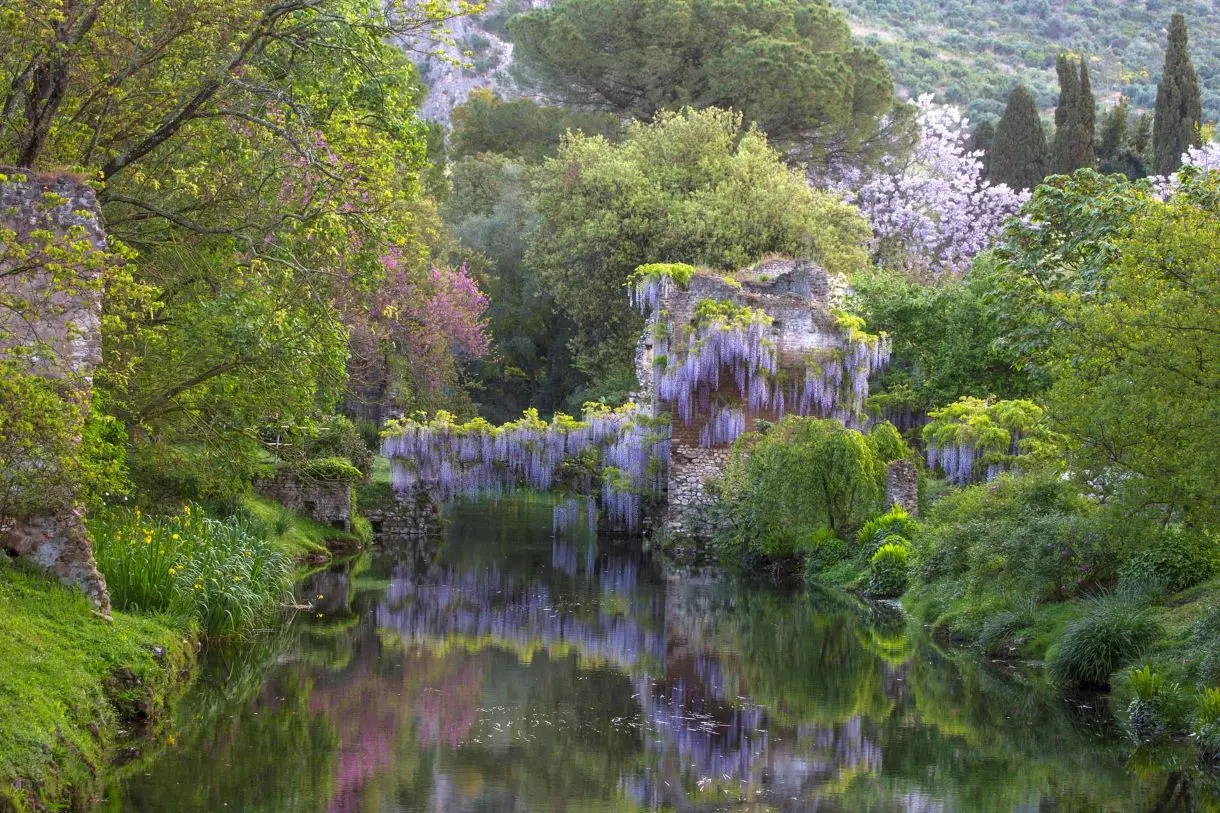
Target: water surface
506,670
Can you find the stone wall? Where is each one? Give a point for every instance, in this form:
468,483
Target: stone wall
51,325
902,486
326,501
410,516
798,295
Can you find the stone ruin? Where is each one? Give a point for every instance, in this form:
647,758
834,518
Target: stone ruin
799,296
55,333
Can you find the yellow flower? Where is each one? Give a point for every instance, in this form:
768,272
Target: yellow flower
186,509
174,537
198,586
170,741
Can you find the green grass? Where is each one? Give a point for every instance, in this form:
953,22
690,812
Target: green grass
68,681
295,534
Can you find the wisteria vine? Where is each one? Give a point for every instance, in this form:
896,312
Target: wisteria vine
628,450
730,342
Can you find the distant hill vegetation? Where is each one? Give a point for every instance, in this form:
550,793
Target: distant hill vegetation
972,52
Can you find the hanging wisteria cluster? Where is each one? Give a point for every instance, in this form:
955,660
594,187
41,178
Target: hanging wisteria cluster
450,460
729,342
936,210
974,440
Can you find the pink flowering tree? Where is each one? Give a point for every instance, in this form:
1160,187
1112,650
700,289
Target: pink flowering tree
932,213
434,322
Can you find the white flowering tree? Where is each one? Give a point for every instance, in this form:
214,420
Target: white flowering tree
934,212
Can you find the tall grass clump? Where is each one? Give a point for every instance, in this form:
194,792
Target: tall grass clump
1111,634
217,572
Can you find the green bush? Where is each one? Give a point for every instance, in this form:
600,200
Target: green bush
1110,635
188,564
1157,707
1030,536
874,533
1207,724
803,475
998,629
329,468
1206,646
1177,558
824,551
888,570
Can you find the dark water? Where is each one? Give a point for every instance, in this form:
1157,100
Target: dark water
505,671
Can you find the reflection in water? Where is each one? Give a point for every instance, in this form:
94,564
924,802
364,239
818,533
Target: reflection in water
512,669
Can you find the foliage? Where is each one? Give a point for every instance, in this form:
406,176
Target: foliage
1032,536
491,212
622,452
973,439
692,187
1134,334
329,468
973,50
1179,109
1207,725
1110,635
261,160
1018,152
61,706
946,340
822,552
1157,706
521,128
1206,641
932,213
1075,118
789,67
884,528
214,572
1176,557
803,475
887,570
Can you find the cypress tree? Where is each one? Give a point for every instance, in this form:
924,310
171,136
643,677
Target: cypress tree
1019,153
1084,126
1179,107
1112,136
1065,112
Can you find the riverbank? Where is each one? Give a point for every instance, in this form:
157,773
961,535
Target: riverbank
79,693
75,687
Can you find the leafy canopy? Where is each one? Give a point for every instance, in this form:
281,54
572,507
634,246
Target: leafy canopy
692,187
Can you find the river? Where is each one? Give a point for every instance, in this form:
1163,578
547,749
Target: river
502,669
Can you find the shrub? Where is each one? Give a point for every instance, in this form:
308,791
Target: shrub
1108,636
329,468
825,551
1206,647
1031,536
1207,724
1177,557
874,533
999,628
214,571
803,475
887,572
1156,707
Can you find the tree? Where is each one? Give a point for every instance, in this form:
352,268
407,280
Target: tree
1084,134
933,213
1136,361
261,159
691,187
1179,108
520,128
789,66
1065,112
1018,153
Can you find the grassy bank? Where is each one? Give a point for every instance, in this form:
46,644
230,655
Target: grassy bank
300,537
70,682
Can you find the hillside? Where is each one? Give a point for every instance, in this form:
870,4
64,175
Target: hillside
969,52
